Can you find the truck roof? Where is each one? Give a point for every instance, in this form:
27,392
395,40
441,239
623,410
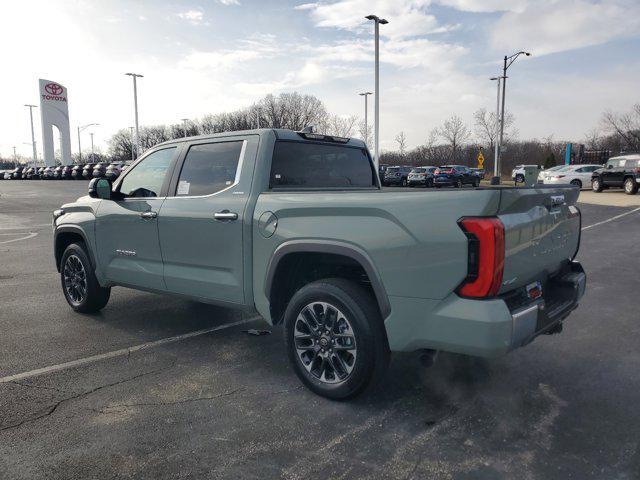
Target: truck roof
280,133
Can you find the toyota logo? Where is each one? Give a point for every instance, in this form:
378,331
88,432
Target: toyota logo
53,89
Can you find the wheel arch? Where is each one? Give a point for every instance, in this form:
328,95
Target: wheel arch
66,235
297,249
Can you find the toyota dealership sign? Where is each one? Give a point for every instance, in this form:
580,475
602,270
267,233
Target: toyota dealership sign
54,111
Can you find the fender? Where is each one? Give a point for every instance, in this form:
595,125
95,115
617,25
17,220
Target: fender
71,229
333,247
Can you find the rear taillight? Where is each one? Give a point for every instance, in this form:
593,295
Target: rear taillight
636,170
485,257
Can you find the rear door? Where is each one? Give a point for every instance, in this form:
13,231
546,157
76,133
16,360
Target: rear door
127,229
201,221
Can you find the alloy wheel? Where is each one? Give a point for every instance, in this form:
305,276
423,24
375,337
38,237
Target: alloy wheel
75,279
325,342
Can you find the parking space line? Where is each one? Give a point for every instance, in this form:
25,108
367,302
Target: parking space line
27,227
26,237
121,352
612,218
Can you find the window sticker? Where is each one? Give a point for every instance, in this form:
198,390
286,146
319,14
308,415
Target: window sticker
183,187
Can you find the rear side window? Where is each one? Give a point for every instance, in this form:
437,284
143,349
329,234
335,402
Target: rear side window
209,168
313,165
632,164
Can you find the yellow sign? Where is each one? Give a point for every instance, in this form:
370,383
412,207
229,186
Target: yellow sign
480,160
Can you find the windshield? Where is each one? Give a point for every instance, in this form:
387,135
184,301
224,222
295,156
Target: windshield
419,170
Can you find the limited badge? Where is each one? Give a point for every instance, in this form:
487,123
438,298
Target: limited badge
534,290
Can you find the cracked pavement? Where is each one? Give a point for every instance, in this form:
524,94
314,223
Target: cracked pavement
226,404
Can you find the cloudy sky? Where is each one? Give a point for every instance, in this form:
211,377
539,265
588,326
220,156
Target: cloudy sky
209,56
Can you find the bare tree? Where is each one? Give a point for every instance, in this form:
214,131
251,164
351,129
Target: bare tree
486,125
401,139
455,133
337,125
625,126
365,131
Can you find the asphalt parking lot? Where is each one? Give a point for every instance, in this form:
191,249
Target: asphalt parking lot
224,404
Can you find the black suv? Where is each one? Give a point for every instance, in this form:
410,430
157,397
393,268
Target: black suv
455,176
396,176
623,171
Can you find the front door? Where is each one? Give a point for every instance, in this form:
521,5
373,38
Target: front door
201,222
127,227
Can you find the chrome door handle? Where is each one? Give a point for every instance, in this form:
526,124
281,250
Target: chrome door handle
149,214
225,215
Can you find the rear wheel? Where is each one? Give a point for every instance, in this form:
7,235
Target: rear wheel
630,186
596,185
576,183
519,178
335,338
404,182
79,283
458,184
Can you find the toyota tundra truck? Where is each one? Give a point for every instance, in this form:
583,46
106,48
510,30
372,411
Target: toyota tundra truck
296,226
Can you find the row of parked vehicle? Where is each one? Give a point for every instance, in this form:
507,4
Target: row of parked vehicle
429,176
619,172
85,171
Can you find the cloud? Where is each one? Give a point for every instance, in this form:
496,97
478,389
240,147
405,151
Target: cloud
484,6
554,26
229,2
407,18
192,16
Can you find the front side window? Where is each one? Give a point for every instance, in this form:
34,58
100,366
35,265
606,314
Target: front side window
147,177
314,165
209,168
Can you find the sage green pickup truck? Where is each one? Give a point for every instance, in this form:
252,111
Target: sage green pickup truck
295,226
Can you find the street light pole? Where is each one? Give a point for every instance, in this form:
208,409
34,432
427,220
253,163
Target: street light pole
15,157
132,154
93,157
80,129
497,132
508,61
135,105
184,126
33,135
366,115
378,21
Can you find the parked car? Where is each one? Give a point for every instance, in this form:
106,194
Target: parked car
65,172
17,173
548,172
294,226
30,173
57,172
622,171
41,172
396,176
479,172
87,171
5,174
578,175
49,173
421,176
455,176
114,170
76,172
99,170
382,168
517,174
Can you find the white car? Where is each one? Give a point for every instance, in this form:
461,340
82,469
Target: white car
550,171
579,175
517,174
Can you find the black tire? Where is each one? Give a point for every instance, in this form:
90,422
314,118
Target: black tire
577,183
596,185
630,186
519,178
458,184
476,184
352,306
404,182
79,283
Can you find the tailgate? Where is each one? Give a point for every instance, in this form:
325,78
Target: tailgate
542,232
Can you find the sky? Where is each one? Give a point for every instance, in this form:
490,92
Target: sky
210,56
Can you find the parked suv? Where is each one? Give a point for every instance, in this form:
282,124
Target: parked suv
293,225
99,170
421,176
622,171
455,176
114,170
76,172
87,171
396,176
17,173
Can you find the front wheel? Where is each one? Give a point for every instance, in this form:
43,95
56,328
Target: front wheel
630,186
596,185
335,338
79,283
458,183
576,183
404,182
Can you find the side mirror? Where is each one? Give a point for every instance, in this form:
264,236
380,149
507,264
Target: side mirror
100,188
609,166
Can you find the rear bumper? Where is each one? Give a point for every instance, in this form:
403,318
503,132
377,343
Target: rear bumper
484,328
